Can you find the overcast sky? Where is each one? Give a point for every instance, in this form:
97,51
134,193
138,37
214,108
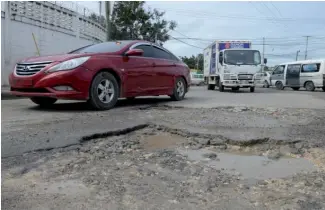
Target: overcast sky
283,24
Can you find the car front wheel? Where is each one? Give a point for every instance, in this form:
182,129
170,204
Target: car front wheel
43,101
104,91
179,90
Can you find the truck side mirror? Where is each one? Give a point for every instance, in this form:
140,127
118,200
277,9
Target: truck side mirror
220,58
265,60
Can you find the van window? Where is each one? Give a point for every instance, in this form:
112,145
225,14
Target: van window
293,69
279,70
313,67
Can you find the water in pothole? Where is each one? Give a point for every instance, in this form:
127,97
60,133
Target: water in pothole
251,167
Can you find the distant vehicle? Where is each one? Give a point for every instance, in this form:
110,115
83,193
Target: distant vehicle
264,79
197,79
102,73
309,74
231,64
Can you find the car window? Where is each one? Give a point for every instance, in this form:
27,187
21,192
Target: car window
293,68
313,67
159,53
104,47
147,50
279,70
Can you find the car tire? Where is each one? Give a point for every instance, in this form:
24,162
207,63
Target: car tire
179,90
279,85
221,87
252,89
43,101
266,84
211,87
104,91
295,88
310,86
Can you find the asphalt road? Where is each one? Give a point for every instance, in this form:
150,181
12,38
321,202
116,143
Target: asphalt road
26,127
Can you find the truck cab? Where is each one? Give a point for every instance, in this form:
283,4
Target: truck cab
233,67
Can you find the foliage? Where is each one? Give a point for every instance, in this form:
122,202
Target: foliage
131,21
194,62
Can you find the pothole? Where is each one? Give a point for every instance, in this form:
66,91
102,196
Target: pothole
250,166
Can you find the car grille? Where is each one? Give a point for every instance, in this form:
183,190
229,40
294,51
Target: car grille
27,69
245,76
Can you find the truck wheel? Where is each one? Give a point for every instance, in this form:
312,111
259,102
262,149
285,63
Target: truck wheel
211,87
252,89
310,86
43,101
221,87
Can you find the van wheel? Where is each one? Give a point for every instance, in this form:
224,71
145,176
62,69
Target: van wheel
295,88
104,91
279,85
211,87
310,86
43,101
179,90
221,87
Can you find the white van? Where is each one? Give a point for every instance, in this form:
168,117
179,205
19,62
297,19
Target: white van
309,74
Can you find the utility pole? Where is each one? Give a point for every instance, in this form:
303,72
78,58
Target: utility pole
306,46
108,20
100,8
263,54
297,54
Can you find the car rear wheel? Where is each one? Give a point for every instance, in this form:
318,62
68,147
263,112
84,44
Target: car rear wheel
43,101
211,87
104,91
310,86
179,90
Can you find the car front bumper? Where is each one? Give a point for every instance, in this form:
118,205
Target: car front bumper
43,84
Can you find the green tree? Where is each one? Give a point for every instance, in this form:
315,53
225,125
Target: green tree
194,62
131,21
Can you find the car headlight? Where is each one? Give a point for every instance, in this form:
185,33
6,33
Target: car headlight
69,64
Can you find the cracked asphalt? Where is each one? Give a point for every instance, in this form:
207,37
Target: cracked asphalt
88,159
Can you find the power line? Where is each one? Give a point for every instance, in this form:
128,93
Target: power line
185,42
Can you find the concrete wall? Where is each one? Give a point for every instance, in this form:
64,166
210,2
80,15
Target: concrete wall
56,30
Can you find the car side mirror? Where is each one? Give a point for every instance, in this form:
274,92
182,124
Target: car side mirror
134,52
265,60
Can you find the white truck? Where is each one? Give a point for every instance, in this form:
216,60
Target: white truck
231,64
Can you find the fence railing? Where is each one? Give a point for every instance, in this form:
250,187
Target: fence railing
49,15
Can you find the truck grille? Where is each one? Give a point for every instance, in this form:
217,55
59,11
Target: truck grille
27,69
245,77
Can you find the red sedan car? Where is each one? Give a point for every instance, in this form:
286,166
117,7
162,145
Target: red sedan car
102,73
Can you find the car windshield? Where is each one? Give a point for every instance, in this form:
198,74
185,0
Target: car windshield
242,57
104,47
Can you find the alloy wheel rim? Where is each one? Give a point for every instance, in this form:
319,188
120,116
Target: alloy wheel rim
180,88
105,91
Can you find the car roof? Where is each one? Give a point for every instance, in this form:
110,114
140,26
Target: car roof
304,62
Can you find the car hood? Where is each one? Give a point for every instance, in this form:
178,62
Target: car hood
58,58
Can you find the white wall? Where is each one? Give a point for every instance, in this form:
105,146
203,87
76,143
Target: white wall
17,37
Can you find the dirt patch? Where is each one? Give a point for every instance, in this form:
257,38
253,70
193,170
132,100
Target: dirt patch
152,168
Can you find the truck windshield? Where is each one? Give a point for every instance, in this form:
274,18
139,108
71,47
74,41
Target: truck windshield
242,57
